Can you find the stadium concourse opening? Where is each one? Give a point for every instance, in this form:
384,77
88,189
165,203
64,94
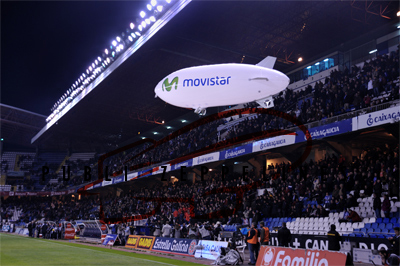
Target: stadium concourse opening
314,180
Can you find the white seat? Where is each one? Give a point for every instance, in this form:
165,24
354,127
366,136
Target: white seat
393,209
397,204
365,199
336,215
331,214
372,220
359,199
341,214
326,219
307,220
241,249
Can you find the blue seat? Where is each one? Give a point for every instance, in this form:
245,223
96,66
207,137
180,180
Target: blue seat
367,226
393,220
396,225
381,236
364,230
389,226
372,236
382,225
386,220
353,235
379,220
357,230
391,231
377,230
345,234
374,225
386,231
359,235
370,230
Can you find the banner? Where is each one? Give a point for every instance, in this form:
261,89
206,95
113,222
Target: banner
69,232
109,240
277,256
211,249
185,163
389,115
132,241
118,179
178,246
321,242
235,152
145,242
6,228
274,142
324,131
207,158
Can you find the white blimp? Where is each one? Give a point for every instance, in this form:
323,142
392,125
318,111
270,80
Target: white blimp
223,84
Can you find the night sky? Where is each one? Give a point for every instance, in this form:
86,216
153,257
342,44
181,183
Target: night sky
46,46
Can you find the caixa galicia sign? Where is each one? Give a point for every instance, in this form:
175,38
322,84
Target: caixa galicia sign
386,116
179,246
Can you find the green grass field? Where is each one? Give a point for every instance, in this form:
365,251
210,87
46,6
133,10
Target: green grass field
19,250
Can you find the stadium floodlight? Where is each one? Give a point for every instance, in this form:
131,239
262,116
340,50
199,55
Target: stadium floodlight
138,33
121,46
300,59
317,63
93,65
308,67
114,43
83,74
159,8
117,49
76,83
326,60
113,53
108,60
118,39
133,35
106,51
147,21
87,71
168,1
168,127
99,58
398,13
96,62
373,51
152,19
143,24
132,26
142,14
184,121
130,38
153,2
155,133
90,68
140,27
149,7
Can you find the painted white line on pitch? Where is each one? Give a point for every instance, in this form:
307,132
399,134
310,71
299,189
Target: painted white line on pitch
53,242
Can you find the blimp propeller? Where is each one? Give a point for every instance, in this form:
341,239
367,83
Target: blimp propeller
206,86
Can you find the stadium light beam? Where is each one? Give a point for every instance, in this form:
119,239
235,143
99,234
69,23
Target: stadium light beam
373,51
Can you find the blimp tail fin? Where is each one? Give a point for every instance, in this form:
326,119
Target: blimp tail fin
267,62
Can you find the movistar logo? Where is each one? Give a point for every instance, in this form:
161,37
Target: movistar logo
168,85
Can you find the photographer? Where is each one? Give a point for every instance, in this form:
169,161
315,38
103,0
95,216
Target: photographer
205,232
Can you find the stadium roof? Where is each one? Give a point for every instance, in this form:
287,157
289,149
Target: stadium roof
18,125
209,32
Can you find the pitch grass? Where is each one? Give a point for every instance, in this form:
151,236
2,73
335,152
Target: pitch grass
19,250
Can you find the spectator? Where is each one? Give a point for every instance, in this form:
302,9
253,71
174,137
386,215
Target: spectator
386,206
166,230
252,241
377,205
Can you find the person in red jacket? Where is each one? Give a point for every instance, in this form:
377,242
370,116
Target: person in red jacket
386,206
353,217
